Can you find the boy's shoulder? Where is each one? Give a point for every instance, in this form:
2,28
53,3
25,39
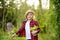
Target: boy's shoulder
35,20
31,21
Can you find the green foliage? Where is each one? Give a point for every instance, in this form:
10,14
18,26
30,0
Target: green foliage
57,6
47,20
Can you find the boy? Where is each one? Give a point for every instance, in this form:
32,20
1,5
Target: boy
30,28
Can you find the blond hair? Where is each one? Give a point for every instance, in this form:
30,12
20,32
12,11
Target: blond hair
29,11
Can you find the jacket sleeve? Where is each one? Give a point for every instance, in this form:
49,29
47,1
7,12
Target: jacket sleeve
21,29
38,27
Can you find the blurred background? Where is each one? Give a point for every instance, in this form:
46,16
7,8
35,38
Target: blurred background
47,13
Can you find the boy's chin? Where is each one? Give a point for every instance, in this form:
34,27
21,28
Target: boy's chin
29,18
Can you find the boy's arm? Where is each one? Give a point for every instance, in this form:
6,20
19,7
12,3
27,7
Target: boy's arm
34,33
21,29
38,27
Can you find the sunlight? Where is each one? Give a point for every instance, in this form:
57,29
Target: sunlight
29,2
23,0
17,3
36,3
7,2
1,5
33,2
0,2
45,4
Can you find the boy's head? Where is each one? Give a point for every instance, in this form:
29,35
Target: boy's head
29,14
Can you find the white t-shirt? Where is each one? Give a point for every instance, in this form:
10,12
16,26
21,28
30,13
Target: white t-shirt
27,29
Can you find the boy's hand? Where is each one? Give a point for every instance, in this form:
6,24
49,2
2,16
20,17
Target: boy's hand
34,33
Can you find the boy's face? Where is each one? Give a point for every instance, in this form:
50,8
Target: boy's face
29,16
